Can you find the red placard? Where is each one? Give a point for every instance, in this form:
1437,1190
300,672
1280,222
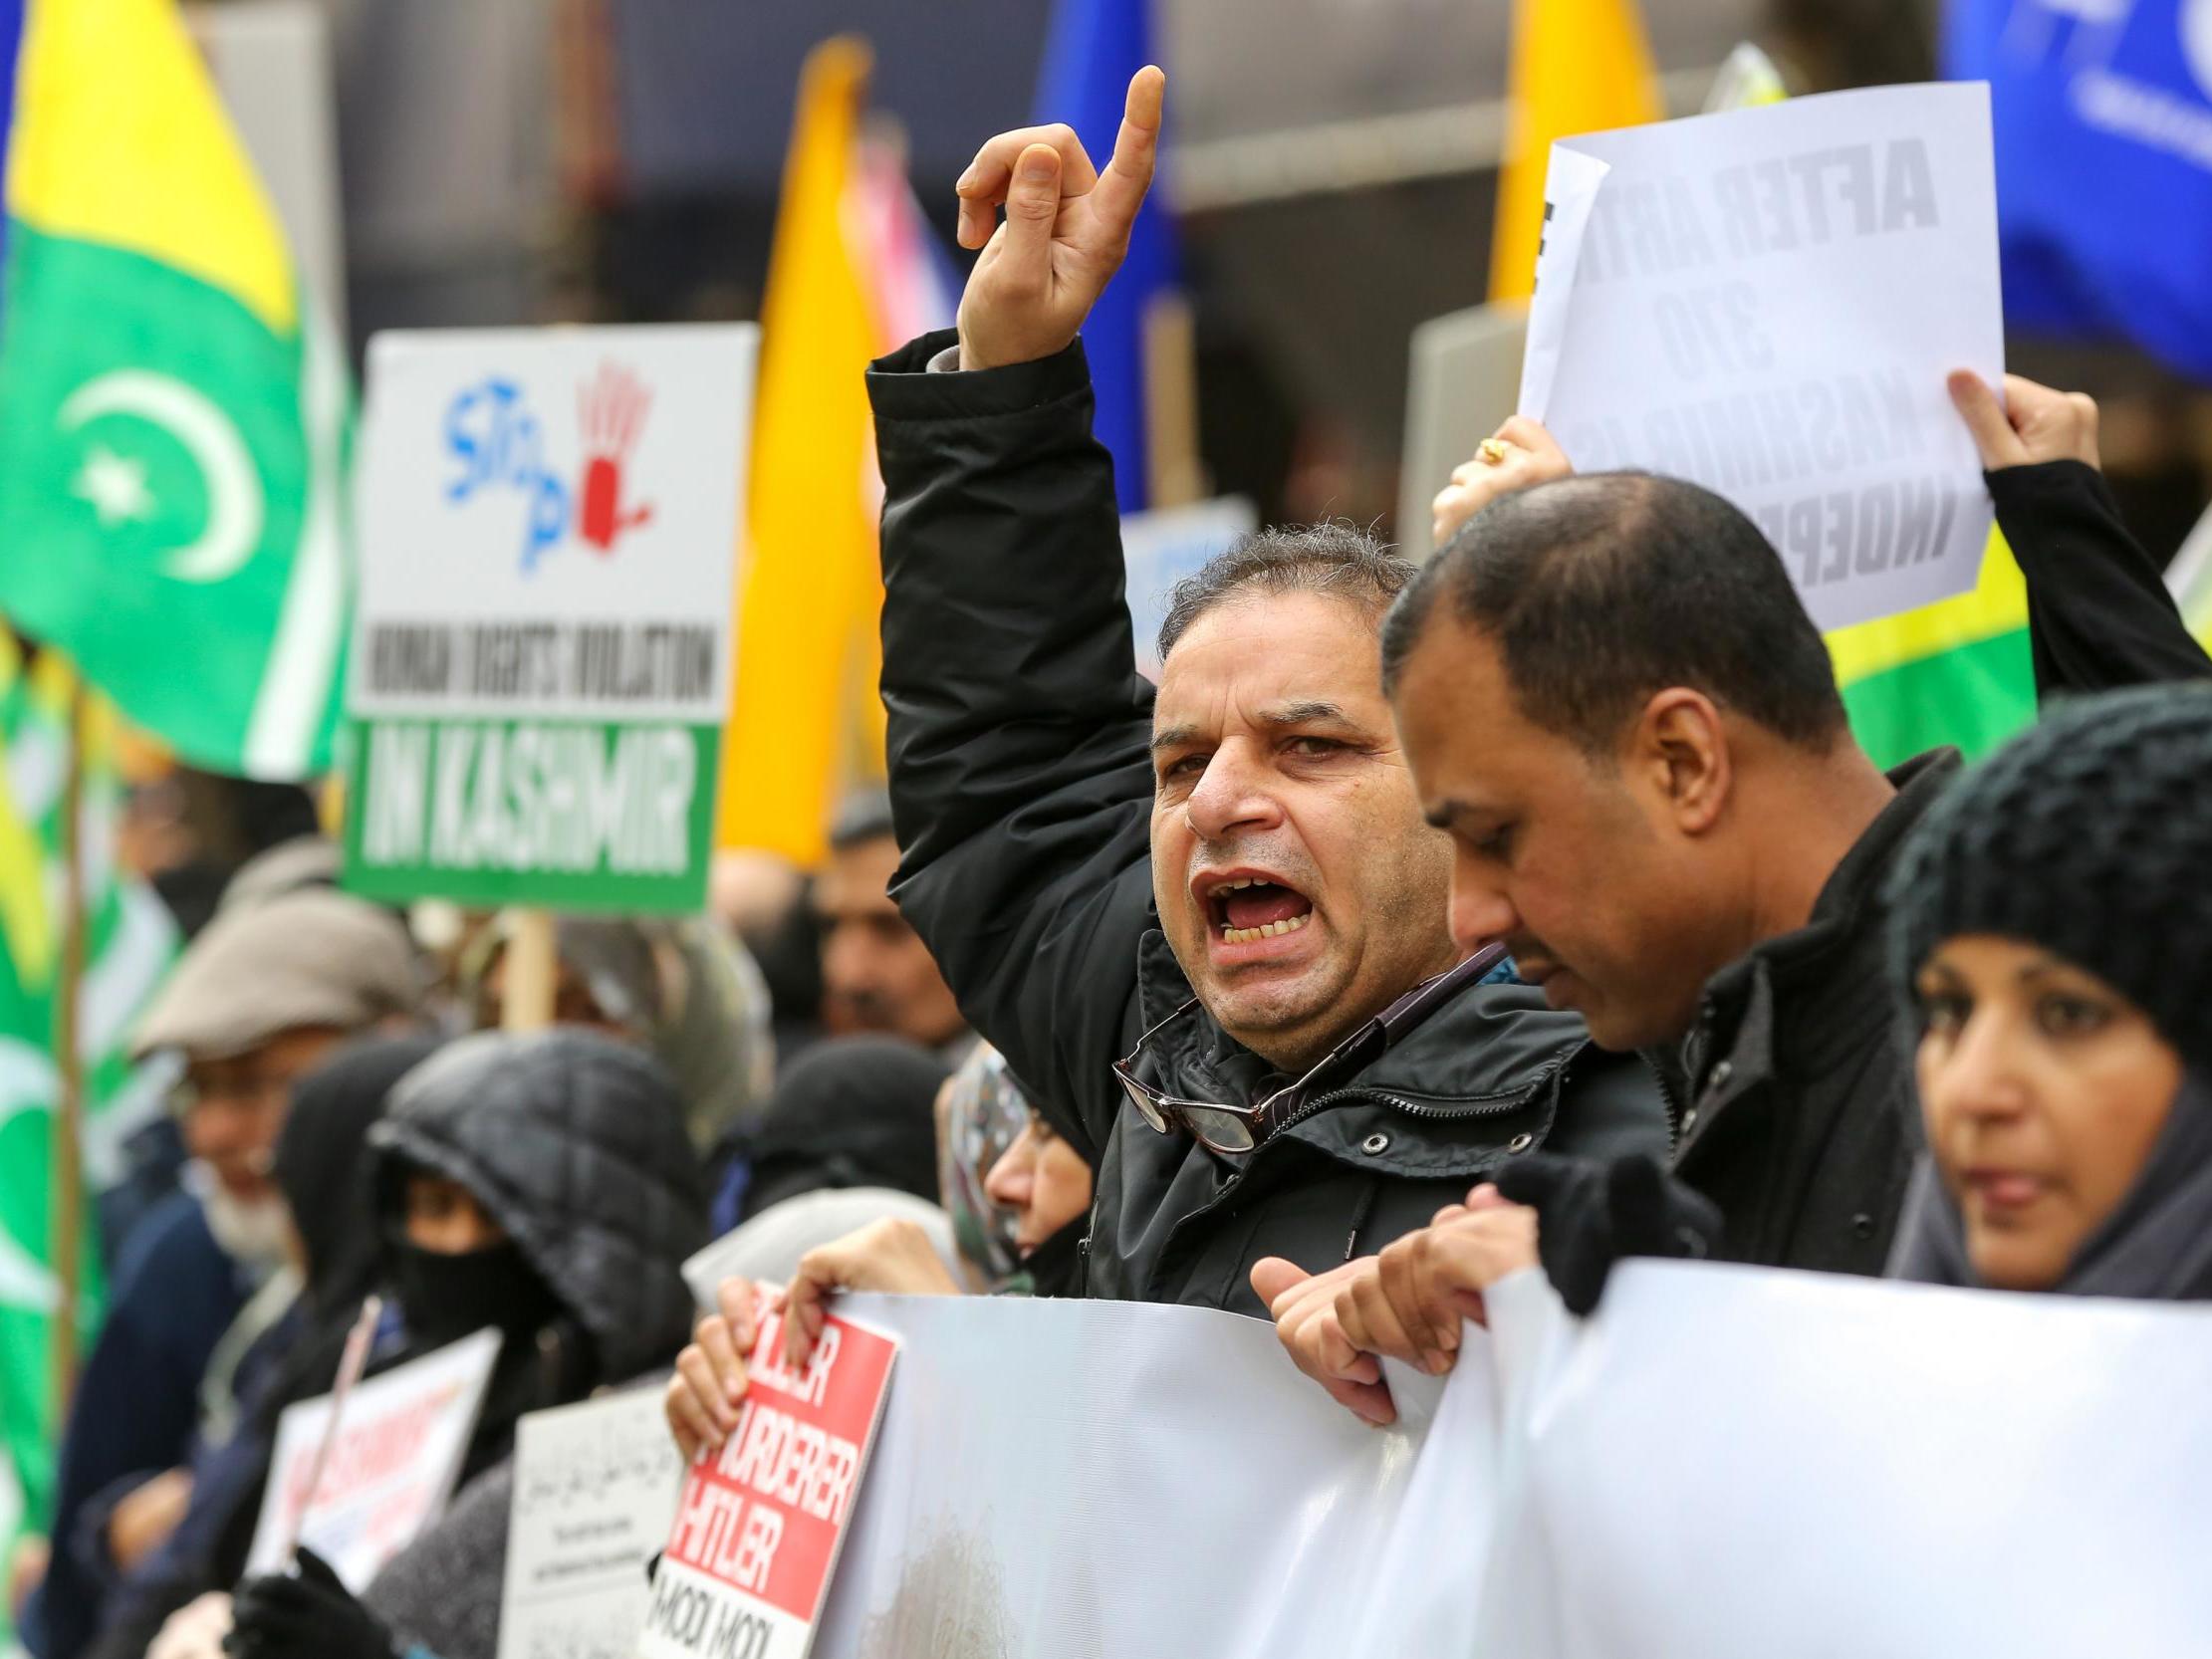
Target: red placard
758,1526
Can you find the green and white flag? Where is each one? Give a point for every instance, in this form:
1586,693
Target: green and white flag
130,942
173,419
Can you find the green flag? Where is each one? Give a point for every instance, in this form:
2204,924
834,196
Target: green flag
128,946
172,420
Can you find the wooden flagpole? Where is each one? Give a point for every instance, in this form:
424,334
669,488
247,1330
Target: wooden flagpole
66,1248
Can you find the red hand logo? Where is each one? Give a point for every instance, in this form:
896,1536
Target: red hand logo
610,411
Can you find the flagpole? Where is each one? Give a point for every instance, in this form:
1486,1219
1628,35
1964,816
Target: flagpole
1174,473
68,1199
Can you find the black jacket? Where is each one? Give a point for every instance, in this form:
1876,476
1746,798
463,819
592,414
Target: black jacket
1022,787
2098,613
1802,1122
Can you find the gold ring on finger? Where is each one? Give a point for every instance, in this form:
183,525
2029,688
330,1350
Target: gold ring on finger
1491,451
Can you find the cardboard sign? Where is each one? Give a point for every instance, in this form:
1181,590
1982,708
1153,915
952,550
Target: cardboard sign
548,526
759,1525
393,1461
1767,302
1464,370
595,1491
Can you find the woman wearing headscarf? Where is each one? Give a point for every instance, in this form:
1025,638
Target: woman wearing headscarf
680,987
981,1113
2053,927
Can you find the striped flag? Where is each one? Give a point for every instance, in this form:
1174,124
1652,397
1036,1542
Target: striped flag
129,945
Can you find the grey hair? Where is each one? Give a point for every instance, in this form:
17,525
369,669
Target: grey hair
1336,558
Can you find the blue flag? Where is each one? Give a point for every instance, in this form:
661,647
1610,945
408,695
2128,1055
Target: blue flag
1095,46
2102,112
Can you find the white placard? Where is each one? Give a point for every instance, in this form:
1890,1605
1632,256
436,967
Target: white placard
1767,302
398,1451
542,657
595,1491
548,521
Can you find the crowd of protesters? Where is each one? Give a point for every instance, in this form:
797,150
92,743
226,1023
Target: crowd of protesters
1423,925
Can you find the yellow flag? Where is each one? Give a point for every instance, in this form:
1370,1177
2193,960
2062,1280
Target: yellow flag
1578,66
810,587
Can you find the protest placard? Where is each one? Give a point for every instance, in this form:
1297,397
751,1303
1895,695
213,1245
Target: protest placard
541,653
1161,547
1767,302
393,1461
760,1523
595,1491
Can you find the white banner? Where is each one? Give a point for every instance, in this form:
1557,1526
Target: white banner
1725,1463
1767,302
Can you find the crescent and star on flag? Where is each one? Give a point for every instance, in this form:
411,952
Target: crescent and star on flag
114,484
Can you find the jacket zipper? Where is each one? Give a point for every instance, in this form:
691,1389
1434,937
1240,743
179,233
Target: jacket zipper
1414,1108
1673,1113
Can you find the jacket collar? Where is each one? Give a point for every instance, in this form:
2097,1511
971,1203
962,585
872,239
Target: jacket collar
1488,1042
1739,999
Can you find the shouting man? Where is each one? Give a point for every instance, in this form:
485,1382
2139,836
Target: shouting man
1208,926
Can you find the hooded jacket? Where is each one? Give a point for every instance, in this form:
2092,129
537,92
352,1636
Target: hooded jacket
1021,785
574,1144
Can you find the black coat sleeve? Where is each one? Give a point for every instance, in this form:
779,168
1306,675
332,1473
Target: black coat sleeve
1019,729
2098,613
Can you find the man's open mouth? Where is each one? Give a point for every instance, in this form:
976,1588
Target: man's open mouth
1247,908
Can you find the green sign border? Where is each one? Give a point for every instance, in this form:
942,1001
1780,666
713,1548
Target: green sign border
598,889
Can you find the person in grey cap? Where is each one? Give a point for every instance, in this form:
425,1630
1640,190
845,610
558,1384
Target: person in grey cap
262,994
265,991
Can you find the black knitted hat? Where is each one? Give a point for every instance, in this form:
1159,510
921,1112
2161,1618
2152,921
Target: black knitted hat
2089,835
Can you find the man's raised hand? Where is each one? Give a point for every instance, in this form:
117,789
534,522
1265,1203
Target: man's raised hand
1066,232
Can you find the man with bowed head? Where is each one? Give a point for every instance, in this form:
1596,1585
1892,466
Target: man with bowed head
1194,924
1614,704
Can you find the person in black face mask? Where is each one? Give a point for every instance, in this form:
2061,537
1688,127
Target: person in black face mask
318,1167
541,1185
